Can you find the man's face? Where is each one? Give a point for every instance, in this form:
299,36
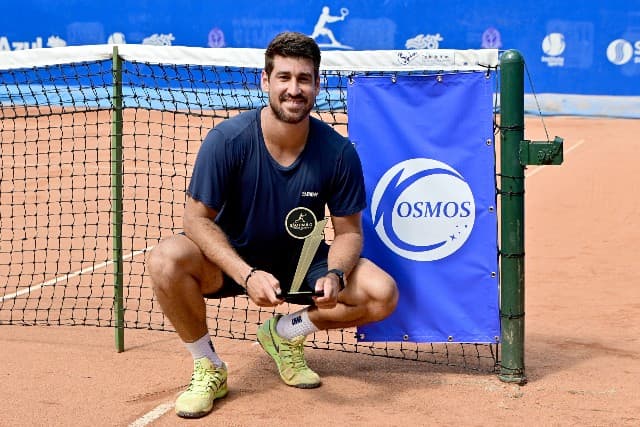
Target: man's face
292,88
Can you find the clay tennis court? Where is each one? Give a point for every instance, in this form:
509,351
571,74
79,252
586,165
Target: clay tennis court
582,350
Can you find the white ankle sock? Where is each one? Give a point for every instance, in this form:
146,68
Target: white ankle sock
295,324
203,347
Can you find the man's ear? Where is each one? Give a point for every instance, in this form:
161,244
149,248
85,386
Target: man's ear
264,81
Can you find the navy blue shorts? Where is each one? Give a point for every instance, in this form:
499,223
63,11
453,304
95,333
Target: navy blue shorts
318,269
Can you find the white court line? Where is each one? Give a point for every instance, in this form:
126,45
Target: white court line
69,276
538,169
152,415
158,411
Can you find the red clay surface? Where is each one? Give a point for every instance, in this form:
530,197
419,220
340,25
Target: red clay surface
582,333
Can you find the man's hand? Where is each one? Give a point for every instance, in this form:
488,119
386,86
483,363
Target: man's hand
330,285
263,289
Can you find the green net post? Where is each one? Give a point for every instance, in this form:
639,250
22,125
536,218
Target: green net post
116,199
512,217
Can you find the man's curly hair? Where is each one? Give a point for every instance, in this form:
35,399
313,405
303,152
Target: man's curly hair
294,45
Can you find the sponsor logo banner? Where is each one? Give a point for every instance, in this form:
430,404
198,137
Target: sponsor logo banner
426,144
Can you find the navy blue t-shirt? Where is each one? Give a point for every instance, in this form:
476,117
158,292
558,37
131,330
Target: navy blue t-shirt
253,194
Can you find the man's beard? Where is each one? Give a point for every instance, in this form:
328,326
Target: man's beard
285,116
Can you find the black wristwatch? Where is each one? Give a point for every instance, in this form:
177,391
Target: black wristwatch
340,275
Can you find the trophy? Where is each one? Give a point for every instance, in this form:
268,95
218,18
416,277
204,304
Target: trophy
301,223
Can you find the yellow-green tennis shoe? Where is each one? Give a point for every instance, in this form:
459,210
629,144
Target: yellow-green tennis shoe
208,383
288,355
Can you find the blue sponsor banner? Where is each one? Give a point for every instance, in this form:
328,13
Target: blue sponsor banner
426,144
584,47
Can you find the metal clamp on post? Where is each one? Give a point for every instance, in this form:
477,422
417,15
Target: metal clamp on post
541,152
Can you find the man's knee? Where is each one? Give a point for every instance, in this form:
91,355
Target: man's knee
164,264
177,262
384,297
378,288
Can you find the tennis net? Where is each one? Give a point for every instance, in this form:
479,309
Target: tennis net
97,147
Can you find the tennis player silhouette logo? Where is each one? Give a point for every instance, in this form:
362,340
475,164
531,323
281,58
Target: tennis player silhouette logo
423,209
321,32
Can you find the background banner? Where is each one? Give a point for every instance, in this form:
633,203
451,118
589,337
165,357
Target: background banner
426,144
582,56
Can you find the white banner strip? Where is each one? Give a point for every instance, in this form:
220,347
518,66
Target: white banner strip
363,60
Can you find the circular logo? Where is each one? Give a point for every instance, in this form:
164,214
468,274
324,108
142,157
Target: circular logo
553,44
491,39
619,52
216,38
300,222
423,209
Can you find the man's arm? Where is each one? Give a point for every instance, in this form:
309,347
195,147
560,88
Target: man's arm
199,226
344,254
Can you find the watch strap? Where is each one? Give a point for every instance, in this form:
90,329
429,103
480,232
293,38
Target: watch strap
340,275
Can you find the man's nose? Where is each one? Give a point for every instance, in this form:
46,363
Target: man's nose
294,87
